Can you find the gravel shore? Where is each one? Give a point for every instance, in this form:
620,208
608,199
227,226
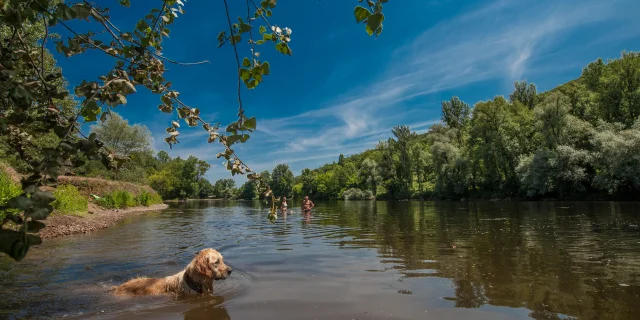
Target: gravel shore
97,218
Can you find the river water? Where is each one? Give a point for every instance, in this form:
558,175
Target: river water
348,260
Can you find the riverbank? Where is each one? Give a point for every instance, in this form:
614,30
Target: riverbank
95,219
85,204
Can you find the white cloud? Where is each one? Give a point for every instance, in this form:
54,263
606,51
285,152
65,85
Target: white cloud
502,41
493,41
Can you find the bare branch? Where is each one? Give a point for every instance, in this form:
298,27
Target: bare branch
155,22
235,50
253,47
103,21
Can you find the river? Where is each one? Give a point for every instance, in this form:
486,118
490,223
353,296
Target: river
348,260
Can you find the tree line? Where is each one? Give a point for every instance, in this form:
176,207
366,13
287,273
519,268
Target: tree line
580,140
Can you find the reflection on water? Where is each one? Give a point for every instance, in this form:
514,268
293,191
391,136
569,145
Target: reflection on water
349,260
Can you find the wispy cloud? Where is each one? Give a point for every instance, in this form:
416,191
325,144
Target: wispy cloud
498,41
493,41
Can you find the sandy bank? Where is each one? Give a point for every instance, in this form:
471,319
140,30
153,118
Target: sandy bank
97,218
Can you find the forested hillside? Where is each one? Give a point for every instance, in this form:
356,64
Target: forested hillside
580,140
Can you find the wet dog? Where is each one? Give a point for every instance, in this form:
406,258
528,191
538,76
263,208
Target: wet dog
196,278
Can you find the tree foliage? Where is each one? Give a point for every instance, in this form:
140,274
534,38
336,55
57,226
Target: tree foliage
122,138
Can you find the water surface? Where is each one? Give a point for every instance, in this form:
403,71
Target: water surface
349,260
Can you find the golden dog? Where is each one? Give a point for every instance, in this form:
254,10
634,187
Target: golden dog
196,278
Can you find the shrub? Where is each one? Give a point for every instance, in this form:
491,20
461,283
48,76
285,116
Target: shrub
124,199
118,200
357,194
146,199
69,200
8,190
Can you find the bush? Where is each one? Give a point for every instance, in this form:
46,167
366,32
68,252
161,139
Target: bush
118,200
357,194
69,200
124,199
8,190
146,199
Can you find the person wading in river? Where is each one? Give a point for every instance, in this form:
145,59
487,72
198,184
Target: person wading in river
283,205
307,205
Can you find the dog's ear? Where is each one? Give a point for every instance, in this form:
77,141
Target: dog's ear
202,265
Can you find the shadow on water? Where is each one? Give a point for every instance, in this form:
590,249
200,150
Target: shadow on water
349,259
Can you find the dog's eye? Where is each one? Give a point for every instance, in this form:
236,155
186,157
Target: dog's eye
217,261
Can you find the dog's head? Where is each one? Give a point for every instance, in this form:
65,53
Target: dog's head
210,264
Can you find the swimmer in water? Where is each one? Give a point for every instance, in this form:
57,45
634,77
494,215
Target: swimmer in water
307,204
283,205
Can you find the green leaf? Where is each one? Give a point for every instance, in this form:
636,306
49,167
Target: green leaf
268,13
165,108
237,138
374,22
235,39
67,147
250,123
142,25
20,202
12,243
245,75
33,240
361,13
260,42
251,84
183,112
233,128
267,36
233,139
64,12
283,48
35,226
244,27
263,29
246,62
39,213
43,197
91,111
82,11
266,68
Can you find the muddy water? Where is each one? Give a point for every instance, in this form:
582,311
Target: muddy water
349,260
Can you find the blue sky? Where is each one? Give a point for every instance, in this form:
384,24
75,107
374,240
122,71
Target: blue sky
342,91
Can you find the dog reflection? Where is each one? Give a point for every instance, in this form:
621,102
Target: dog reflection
207,311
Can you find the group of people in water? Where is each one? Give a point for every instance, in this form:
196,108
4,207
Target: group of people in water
306,206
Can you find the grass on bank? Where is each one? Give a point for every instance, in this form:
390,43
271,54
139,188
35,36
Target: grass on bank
8,190
72,195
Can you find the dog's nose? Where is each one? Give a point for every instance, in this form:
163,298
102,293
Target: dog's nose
230,270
